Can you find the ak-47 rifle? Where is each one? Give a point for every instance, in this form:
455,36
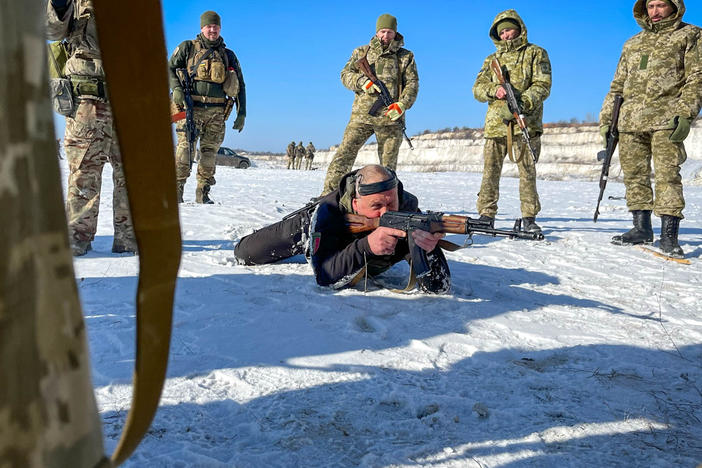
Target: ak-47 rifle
606,155
513,103
385,98
433,222
191,133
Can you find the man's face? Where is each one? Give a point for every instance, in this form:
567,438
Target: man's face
373,206
386,36
658,10
509,33
211,31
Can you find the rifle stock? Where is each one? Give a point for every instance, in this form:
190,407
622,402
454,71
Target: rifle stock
513,104
606,155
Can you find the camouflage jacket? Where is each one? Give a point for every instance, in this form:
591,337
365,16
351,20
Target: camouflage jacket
659,74
291,150
310,150
77,27
530,74
185,51
393,66
299,151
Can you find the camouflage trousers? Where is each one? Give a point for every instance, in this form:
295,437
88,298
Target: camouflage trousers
291,163
635,153
90,142
209,122
494,154
389,140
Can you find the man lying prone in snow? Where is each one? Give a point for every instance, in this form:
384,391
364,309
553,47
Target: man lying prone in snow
339,258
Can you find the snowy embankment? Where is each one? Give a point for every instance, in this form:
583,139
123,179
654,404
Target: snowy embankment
566,352
567,153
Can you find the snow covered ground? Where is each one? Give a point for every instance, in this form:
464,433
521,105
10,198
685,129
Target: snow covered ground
566,352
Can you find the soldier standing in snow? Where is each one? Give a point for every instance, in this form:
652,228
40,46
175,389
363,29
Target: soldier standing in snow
395,67
291,155
90,140
218,79
339,258
659,76
529,71
299,155
309,155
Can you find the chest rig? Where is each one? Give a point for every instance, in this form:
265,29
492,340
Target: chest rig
204,65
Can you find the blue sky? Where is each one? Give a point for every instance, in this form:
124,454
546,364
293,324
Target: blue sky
292,53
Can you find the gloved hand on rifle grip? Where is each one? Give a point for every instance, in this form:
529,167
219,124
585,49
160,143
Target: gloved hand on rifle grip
179,96
370,88
239,122
604,130
395,110
682,129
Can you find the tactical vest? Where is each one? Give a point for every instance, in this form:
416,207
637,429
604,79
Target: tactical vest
214,68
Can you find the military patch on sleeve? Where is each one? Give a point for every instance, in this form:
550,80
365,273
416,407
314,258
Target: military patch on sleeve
315,240
644,62
546,68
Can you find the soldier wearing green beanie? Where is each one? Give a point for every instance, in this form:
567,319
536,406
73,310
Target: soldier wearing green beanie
395,67
659,76
210,17
218,87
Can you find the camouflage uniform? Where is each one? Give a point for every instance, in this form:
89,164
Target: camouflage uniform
48,414
90,139
299,155
530,74
394,66
210,101
310,155
659,75
291,155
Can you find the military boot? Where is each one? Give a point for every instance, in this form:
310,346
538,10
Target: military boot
641,233
670,225
80,248
489,219
180,185
202,195
530,225
124,246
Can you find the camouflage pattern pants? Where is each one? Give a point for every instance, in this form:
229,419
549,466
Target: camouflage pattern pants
90,143
291,163
389,140
209,122
494,154
635,153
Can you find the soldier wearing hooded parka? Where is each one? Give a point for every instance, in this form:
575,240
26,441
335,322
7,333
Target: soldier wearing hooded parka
529,70
659,77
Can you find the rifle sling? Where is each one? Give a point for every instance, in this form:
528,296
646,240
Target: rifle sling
150,179
510,144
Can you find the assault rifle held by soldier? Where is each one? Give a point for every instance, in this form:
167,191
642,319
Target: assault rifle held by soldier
606,155
385,98
191,133
513,103
433,222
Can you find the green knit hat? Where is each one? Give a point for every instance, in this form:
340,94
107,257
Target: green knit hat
386,21
210,17
508,23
